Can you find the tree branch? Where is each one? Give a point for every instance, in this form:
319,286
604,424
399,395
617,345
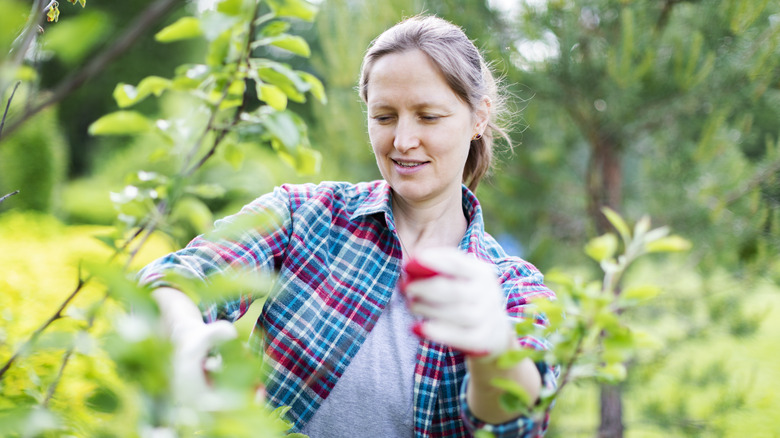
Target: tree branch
57,315
7,106
8,196
133,31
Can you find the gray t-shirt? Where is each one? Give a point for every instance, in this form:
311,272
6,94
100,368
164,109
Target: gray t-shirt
375,395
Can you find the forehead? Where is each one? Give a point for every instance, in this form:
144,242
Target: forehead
407,76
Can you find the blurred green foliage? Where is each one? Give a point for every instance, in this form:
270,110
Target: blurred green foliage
33,160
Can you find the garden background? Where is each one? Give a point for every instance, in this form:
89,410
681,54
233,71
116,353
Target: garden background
665,108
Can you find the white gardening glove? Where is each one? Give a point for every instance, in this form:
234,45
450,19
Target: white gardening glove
460,301
192,340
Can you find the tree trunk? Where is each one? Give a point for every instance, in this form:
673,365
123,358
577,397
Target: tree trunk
604,185
604,180
611,412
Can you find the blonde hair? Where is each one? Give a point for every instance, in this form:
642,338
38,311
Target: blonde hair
463,68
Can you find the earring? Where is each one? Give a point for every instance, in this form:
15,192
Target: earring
476,136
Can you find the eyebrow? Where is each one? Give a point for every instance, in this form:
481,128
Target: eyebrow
418,106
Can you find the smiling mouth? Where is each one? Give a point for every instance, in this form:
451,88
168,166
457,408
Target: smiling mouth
409,164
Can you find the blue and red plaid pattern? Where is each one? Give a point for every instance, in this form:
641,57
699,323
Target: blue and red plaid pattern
337,258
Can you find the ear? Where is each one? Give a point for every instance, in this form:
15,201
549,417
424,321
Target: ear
482,115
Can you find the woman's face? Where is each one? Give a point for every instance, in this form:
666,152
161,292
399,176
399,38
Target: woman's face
420,130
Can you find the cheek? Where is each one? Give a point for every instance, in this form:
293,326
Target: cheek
376,138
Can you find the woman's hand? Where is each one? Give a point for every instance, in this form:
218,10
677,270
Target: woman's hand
192,340
460,301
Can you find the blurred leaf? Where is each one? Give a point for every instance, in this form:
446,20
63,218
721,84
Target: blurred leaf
613,373
317,89
184,28
25,73
520,399
233,153
121,122
281,126
273,96
617,222
293,44
274,28
669,244
194,212
602,247
124,289
230,7
643,292
293,8
283,77
306,161
513,357
219,49
103,400
206,191
127,95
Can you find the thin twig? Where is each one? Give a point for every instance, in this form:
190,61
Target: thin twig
53,387
7,106
57,315
28,34
8,196
135,30
68,354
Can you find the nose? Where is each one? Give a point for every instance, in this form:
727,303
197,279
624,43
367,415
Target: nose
406,135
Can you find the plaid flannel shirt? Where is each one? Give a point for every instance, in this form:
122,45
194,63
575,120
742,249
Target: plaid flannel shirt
337,258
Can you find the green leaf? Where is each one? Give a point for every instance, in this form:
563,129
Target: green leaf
514,388
194,212
184,28
206,191
307,161
233,153
25,73
120,123
282,126
644,292
620,225
219,49
613,373
230,7
292,43
283,77
103,400
602,247
513,357
672,243
273,96
127,95
293,8
317,89
275,28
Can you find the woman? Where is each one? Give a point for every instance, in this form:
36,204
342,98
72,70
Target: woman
337,328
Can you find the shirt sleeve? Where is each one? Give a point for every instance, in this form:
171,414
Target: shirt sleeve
253,240
522,284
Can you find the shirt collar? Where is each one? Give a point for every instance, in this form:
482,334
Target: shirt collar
380,200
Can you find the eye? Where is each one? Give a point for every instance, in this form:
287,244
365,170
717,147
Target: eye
382,119
429,118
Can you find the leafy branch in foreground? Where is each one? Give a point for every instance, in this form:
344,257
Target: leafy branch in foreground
588,336
221,114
